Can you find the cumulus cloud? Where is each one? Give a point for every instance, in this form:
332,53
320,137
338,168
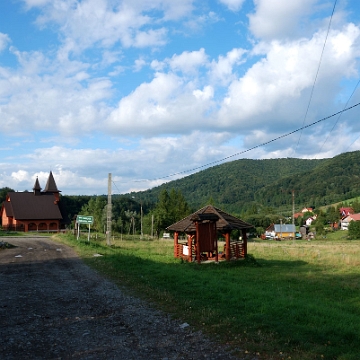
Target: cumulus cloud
104,23
188,62
36,99
280,82
222,69
165,105
278,18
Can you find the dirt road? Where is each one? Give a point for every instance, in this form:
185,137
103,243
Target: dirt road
52,306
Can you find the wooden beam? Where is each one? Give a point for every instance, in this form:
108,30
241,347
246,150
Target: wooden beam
176,244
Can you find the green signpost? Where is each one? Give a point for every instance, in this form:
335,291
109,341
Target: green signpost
84,219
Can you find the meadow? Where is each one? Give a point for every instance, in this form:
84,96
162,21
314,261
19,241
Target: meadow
286,300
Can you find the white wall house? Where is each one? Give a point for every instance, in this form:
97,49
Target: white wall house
346,221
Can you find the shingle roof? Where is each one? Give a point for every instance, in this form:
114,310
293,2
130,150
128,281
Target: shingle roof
37,185
51,184
27,206
226,221
355,217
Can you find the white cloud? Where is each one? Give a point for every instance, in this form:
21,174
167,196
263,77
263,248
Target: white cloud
280,83
4,41
188,62
205,94
139,64
234,5
34,3
20,175
278,18
104,23
43,95
222,69
167,104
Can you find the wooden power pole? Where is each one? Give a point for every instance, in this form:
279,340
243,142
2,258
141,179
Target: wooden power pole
109,213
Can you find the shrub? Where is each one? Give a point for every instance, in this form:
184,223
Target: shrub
354,230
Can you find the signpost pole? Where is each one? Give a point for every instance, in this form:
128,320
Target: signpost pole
89,234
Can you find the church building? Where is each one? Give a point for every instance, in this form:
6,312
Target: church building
35,211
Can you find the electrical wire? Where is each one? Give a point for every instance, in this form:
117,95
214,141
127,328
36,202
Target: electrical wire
252,148
337,120
317,74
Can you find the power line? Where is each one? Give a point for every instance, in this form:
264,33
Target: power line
317,73
337,120
254,147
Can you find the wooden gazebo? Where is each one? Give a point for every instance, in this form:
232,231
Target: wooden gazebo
202,229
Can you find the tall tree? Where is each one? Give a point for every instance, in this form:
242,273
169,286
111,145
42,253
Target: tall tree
95,207
3,193
169,209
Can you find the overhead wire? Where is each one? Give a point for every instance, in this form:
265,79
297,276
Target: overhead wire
339,113
337,120
251,148
317,73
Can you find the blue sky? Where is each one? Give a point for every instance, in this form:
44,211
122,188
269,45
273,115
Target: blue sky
143,89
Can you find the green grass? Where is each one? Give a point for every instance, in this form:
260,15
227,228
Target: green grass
290,299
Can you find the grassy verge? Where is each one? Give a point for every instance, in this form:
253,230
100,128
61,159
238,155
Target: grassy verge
296,299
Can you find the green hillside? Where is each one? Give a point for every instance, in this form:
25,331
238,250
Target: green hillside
333,180
233,185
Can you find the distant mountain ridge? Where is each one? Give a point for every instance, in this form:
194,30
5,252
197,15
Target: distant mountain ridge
235,186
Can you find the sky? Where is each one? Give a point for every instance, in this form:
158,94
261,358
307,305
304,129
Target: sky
150,91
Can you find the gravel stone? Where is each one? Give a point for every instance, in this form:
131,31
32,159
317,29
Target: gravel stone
53,306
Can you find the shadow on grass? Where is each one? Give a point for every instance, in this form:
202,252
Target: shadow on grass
269,305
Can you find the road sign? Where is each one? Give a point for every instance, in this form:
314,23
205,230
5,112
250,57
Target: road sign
82,219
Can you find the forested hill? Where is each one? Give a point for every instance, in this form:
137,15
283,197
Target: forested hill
333,180
236,185
232,186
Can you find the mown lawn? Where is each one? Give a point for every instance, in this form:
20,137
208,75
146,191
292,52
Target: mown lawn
295,299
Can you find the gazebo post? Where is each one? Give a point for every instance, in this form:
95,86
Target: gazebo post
190,237
227,246
197,245
176,244
216,249
244,247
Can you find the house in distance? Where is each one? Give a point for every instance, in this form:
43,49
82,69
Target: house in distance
35,211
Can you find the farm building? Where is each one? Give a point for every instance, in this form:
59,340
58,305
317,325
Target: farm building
346,221
280,231
202,230
34,211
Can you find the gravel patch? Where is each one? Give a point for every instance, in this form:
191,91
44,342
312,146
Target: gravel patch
53,306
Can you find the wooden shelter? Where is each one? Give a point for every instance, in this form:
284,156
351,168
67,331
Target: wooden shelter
202,229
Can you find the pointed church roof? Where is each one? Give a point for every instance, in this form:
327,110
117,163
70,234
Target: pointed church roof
51,184
37,185
225,222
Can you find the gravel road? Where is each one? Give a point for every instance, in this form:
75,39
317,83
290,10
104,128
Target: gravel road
52,306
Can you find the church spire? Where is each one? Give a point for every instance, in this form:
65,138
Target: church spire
37,187
51,185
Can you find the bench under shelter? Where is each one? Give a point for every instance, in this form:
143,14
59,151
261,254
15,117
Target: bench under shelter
202,229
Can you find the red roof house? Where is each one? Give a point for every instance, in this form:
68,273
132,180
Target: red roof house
34,211
345,211
347,219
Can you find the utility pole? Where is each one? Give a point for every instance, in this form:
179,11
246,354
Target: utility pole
293,207
152,225
141,221
109,213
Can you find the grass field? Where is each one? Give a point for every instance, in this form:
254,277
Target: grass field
287,300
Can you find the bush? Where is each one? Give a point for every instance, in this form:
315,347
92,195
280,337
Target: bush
354,230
